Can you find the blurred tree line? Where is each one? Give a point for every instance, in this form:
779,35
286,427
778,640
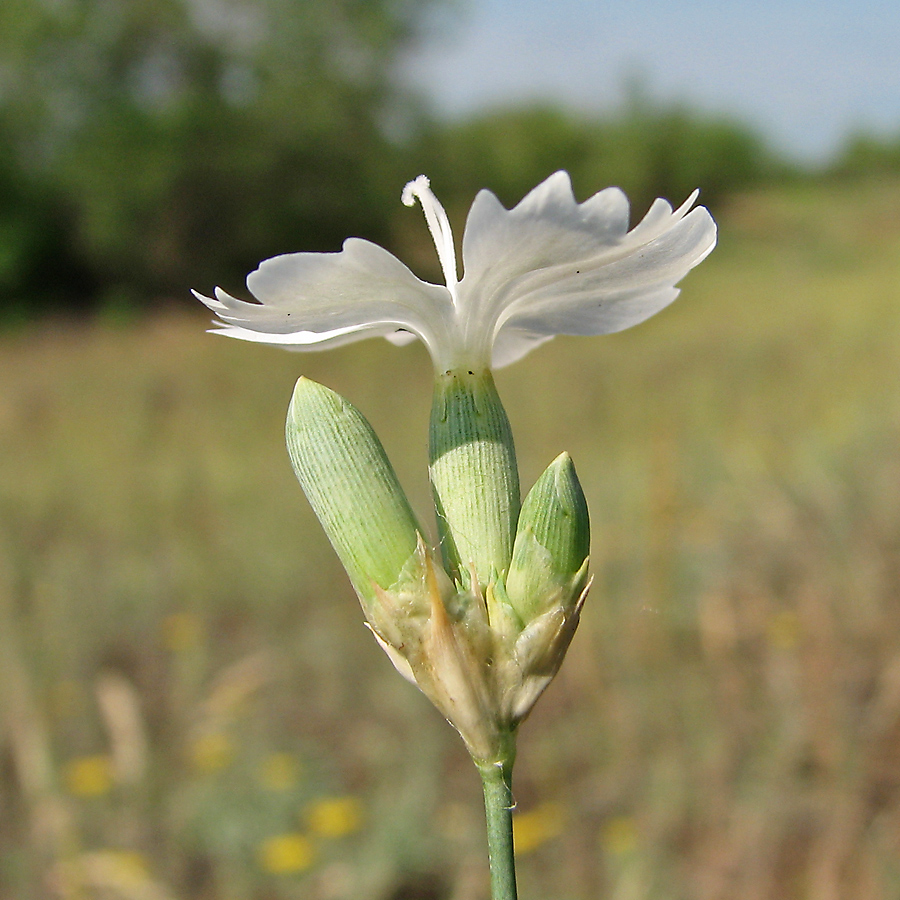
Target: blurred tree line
648,150
153,145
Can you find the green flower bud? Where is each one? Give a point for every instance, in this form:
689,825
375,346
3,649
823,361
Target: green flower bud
549,559
480,645
474,478
352,488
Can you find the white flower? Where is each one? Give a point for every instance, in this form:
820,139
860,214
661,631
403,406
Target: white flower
547,266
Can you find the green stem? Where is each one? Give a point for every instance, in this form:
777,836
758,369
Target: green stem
498,806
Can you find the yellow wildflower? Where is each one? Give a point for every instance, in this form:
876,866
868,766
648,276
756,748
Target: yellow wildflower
88,776
284,854
334,817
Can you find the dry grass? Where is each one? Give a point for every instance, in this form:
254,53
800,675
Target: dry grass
192,709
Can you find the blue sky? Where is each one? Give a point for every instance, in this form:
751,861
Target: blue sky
805,72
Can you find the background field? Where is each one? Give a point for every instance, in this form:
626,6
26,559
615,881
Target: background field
191,707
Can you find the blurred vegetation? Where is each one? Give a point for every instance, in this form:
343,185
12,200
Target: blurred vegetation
191,707
157,144
172,142
648,150
867,155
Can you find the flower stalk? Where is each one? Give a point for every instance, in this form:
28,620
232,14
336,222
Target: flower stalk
498,806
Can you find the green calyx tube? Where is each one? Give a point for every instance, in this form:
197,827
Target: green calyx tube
474,478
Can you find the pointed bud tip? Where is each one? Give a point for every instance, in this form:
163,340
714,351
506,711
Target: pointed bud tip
562,467
559,482
568,485
304,385
310,396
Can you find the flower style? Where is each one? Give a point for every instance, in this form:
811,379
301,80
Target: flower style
548,266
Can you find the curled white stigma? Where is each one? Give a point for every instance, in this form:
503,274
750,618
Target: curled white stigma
438,224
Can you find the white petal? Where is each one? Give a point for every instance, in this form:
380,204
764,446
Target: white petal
616,313
504,250
515,239
547,228
548,266
313,340
553,266
401,338
324,298
512,344
611,292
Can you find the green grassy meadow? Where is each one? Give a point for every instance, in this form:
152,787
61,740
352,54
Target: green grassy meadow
191,707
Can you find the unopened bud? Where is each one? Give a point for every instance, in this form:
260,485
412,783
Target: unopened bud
549,559
352,488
